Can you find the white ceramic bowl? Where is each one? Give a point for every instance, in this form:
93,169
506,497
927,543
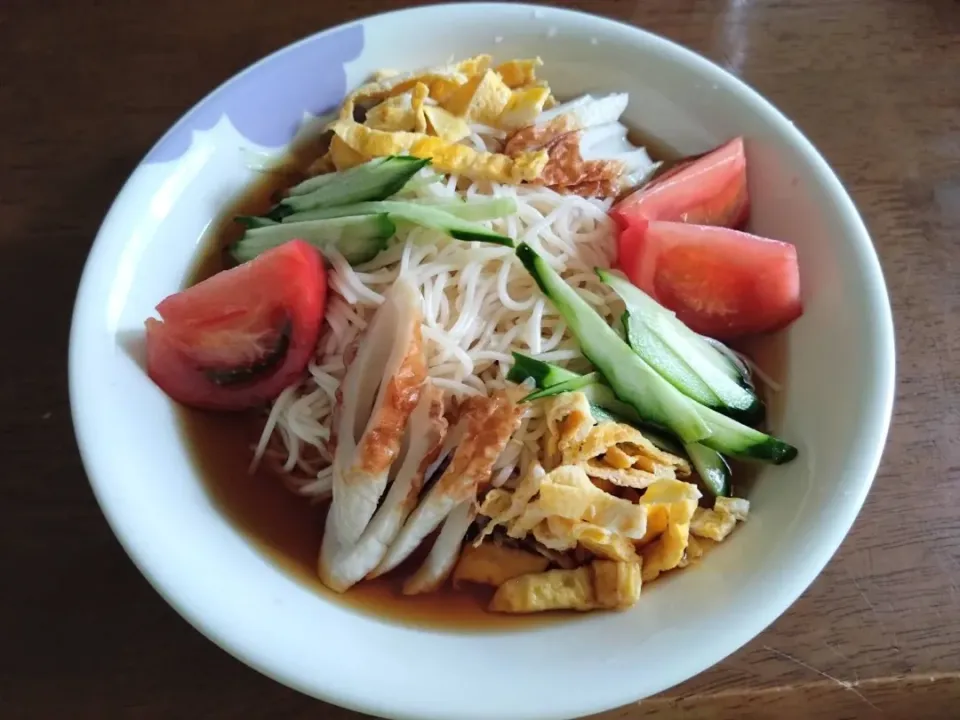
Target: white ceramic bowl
838,391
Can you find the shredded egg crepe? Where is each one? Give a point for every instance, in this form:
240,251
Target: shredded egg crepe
500,124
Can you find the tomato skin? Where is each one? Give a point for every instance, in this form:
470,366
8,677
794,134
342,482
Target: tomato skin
234,319
707,190
720,282
630,243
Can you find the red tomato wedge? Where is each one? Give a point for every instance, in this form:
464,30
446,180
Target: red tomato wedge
720,282
707,190
238,338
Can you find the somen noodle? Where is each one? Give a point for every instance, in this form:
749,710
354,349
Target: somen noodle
479,305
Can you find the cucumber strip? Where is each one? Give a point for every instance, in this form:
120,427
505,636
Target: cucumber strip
734,366
706,349
382,165
633,380
542,373
711,467
375,180
423,215
416,183
251,221
646,307
730,437
571,385
737,440
678,354
651,347
358,239
474,210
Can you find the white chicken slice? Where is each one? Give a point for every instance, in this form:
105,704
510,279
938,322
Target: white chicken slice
595,161
424,436
590,153
444,553
486,425
378,393
610,142
580,114
588,111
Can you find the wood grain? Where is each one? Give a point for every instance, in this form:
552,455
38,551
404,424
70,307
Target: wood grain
86,88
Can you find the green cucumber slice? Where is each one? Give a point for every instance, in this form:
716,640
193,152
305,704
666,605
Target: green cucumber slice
737,440
680,355
713,470
475,209
358,239
571,385
375,180
251,221
542,373
423,215
631,377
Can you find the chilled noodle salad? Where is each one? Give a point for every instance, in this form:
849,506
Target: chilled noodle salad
489,327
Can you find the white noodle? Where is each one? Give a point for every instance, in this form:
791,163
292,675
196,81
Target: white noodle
276,413
479,306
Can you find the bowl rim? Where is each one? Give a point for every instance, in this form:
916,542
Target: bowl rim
829,542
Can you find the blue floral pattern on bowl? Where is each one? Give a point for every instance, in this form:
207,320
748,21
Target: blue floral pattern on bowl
266,104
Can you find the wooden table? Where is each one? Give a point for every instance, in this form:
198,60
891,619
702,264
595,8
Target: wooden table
86,88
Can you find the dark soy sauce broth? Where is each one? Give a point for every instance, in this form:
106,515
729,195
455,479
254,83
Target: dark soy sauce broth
288,528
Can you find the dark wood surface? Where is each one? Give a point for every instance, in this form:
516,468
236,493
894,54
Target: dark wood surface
86,88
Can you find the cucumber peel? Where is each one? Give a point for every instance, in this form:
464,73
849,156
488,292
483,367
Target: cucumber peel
423,215
571,385
713,470
358,239
737,440
681,356
604,405
374,180
632,378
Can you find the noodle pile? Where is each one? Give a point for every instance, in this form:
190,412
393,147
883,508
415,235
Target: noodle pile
479,305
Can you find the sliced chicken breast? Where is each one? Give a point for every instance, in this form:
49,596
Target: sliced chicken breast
424,437
445,551
486,425
380,390
589,152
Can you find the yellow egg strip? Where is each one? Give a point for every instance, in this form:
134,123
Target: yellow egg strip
420,93
523,107
343,156
445,125
441,81
481,99
516,73
446,157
